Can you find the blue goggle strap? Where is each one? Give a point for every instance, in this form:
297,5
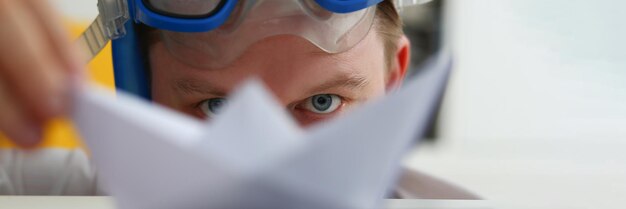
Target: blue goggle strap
128,61
129,67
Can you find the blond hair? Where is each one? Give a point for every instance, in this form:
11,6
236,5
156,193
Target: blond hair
388,24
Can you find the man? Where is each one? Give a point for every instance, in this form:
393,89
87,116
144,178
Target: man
319,58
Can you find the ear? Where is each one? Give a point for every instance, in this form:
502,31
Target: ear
399,64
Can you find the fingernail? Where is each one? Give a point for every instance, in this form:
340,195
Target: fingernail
53,102
79,62
58,102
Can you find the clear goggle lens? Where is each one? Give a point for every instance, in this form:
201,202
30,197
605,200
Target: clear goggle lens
252,22
184,8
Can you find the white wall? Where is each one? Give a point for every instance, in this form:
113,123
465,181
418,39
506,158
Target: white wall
537,69
77,10
536,110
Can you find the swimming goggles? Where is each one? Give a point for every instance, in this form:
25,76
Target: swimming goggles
213,33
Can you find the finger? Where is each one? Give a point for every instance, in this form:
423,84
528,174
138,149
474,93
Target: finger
64,49
29,66
15,124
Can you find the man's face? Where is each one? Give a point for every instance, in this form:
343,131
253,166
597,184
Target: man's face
311,84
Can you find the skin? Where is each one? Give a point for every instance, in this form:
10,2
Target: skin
37,67
291,67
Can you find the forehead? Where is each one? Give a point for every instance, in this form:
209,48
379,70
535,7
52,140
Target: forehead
281,61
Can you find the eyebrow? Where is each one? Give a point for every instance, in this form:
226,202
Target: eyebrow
350,81
193,86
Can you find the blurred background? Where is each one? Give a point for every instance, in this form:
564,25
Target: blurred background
535,111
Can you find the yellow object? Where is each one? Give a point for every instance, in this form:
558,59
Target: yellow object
60,133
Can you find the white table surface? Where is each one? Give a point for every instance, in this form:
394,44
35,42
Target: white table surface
71,202
569,173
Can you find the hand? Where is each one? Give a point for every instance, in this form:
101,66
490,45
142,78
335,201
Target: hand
37,66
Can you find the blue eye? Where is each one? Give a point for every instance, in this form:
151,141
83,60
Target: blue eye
212,107
322,103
